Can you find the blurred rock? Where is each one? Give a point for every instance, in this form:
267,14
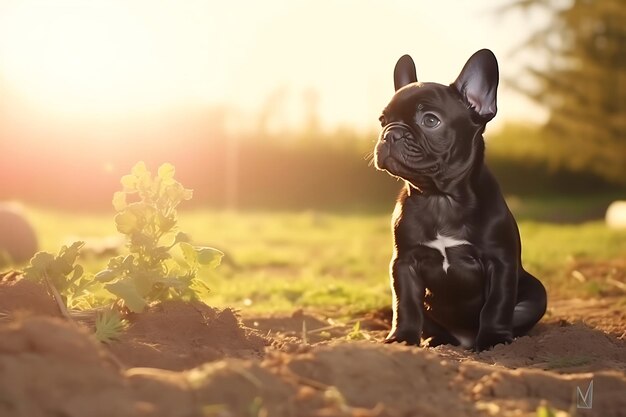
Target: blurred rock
616,215
18,241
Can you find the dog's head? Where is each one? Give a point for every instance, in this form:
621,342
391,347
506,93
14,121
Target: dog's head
431,133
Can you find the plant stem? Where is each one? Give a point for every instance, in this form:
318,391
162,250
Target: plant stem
57,297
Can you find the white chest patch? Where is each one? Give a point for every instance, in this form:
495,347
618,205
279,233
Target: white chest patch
443,242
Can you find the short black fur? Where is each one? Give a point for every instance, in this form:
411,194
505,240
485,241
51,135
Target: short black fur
456,272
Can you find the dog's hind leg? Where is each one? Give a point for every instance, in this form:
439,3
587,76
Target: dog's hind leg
531,304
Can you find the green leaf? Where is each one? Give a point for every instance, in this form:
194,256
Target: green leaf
127,291
116,262
166,223
160,253
143,178
141,239
78,272
140,170
176,193
69,254
189,253
144,281
41,261
106,275
126,222
210,257
201,288
60,266
166,171
129,182
181,237
38,267
119,201
128,261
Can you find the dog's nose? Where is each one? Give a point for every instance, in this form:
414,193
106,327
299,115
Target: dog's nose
394,135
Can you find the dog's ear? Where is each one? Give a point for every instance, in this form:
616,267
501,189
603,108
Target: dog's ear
478,83
404,72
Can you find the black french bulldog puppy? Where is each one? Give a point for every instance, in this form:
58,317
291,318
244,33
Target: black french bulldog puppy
456,272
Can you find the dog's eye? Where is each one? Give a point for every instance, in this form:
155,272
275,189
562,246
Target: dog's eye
430,120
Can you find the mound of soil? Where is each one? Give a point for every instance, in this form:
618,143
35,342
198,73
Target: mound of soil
20,296
50,367
175,335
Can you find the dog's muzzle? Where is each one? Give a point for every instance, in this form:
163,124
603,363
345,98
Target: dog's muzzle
389,145
395,132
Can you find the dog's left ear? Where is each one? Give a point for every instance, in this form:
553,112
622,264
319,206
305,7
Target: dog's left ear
478,83
404,72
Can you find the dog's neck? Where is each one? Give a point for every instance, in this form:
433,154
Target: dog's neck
458,186
458,192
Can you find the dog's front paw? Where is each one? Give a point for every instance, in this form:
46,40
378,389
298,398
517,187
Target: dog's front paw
486,340
408,335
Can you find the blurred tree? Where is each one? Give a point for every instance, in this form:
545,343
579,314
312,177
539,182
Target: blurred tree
582,82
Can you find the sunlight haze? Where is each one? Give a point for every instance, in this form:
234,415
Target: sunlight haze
105,60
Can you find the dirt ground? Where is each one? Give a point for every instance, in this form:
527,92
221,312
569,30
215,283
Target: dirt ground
191,360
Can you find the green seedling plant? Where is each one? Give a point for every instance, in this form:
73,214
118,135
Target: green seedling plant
72,289
109,325
356,333
161,264
60,273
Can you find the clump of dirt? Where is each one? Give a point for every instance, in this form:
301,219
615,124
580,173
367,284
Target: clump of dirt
20,296
50,367
177,335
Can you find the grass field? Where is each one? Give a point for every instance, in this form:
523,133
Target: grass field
334,262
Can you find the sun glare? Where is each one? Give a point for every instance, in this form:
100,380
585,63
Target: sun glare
118,59
78,57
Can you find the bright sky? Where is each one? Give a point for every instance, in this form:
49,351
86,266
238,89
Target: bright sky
108,58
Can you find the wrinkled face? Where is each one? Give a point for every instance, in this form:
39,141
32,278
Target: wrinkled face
428,136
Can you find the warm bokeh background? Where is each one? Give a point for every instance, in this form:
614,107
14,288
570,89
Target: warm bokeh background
274,104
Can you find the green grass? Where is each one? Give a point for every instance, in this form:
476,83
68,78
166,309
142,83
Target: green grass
331,262
561,208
